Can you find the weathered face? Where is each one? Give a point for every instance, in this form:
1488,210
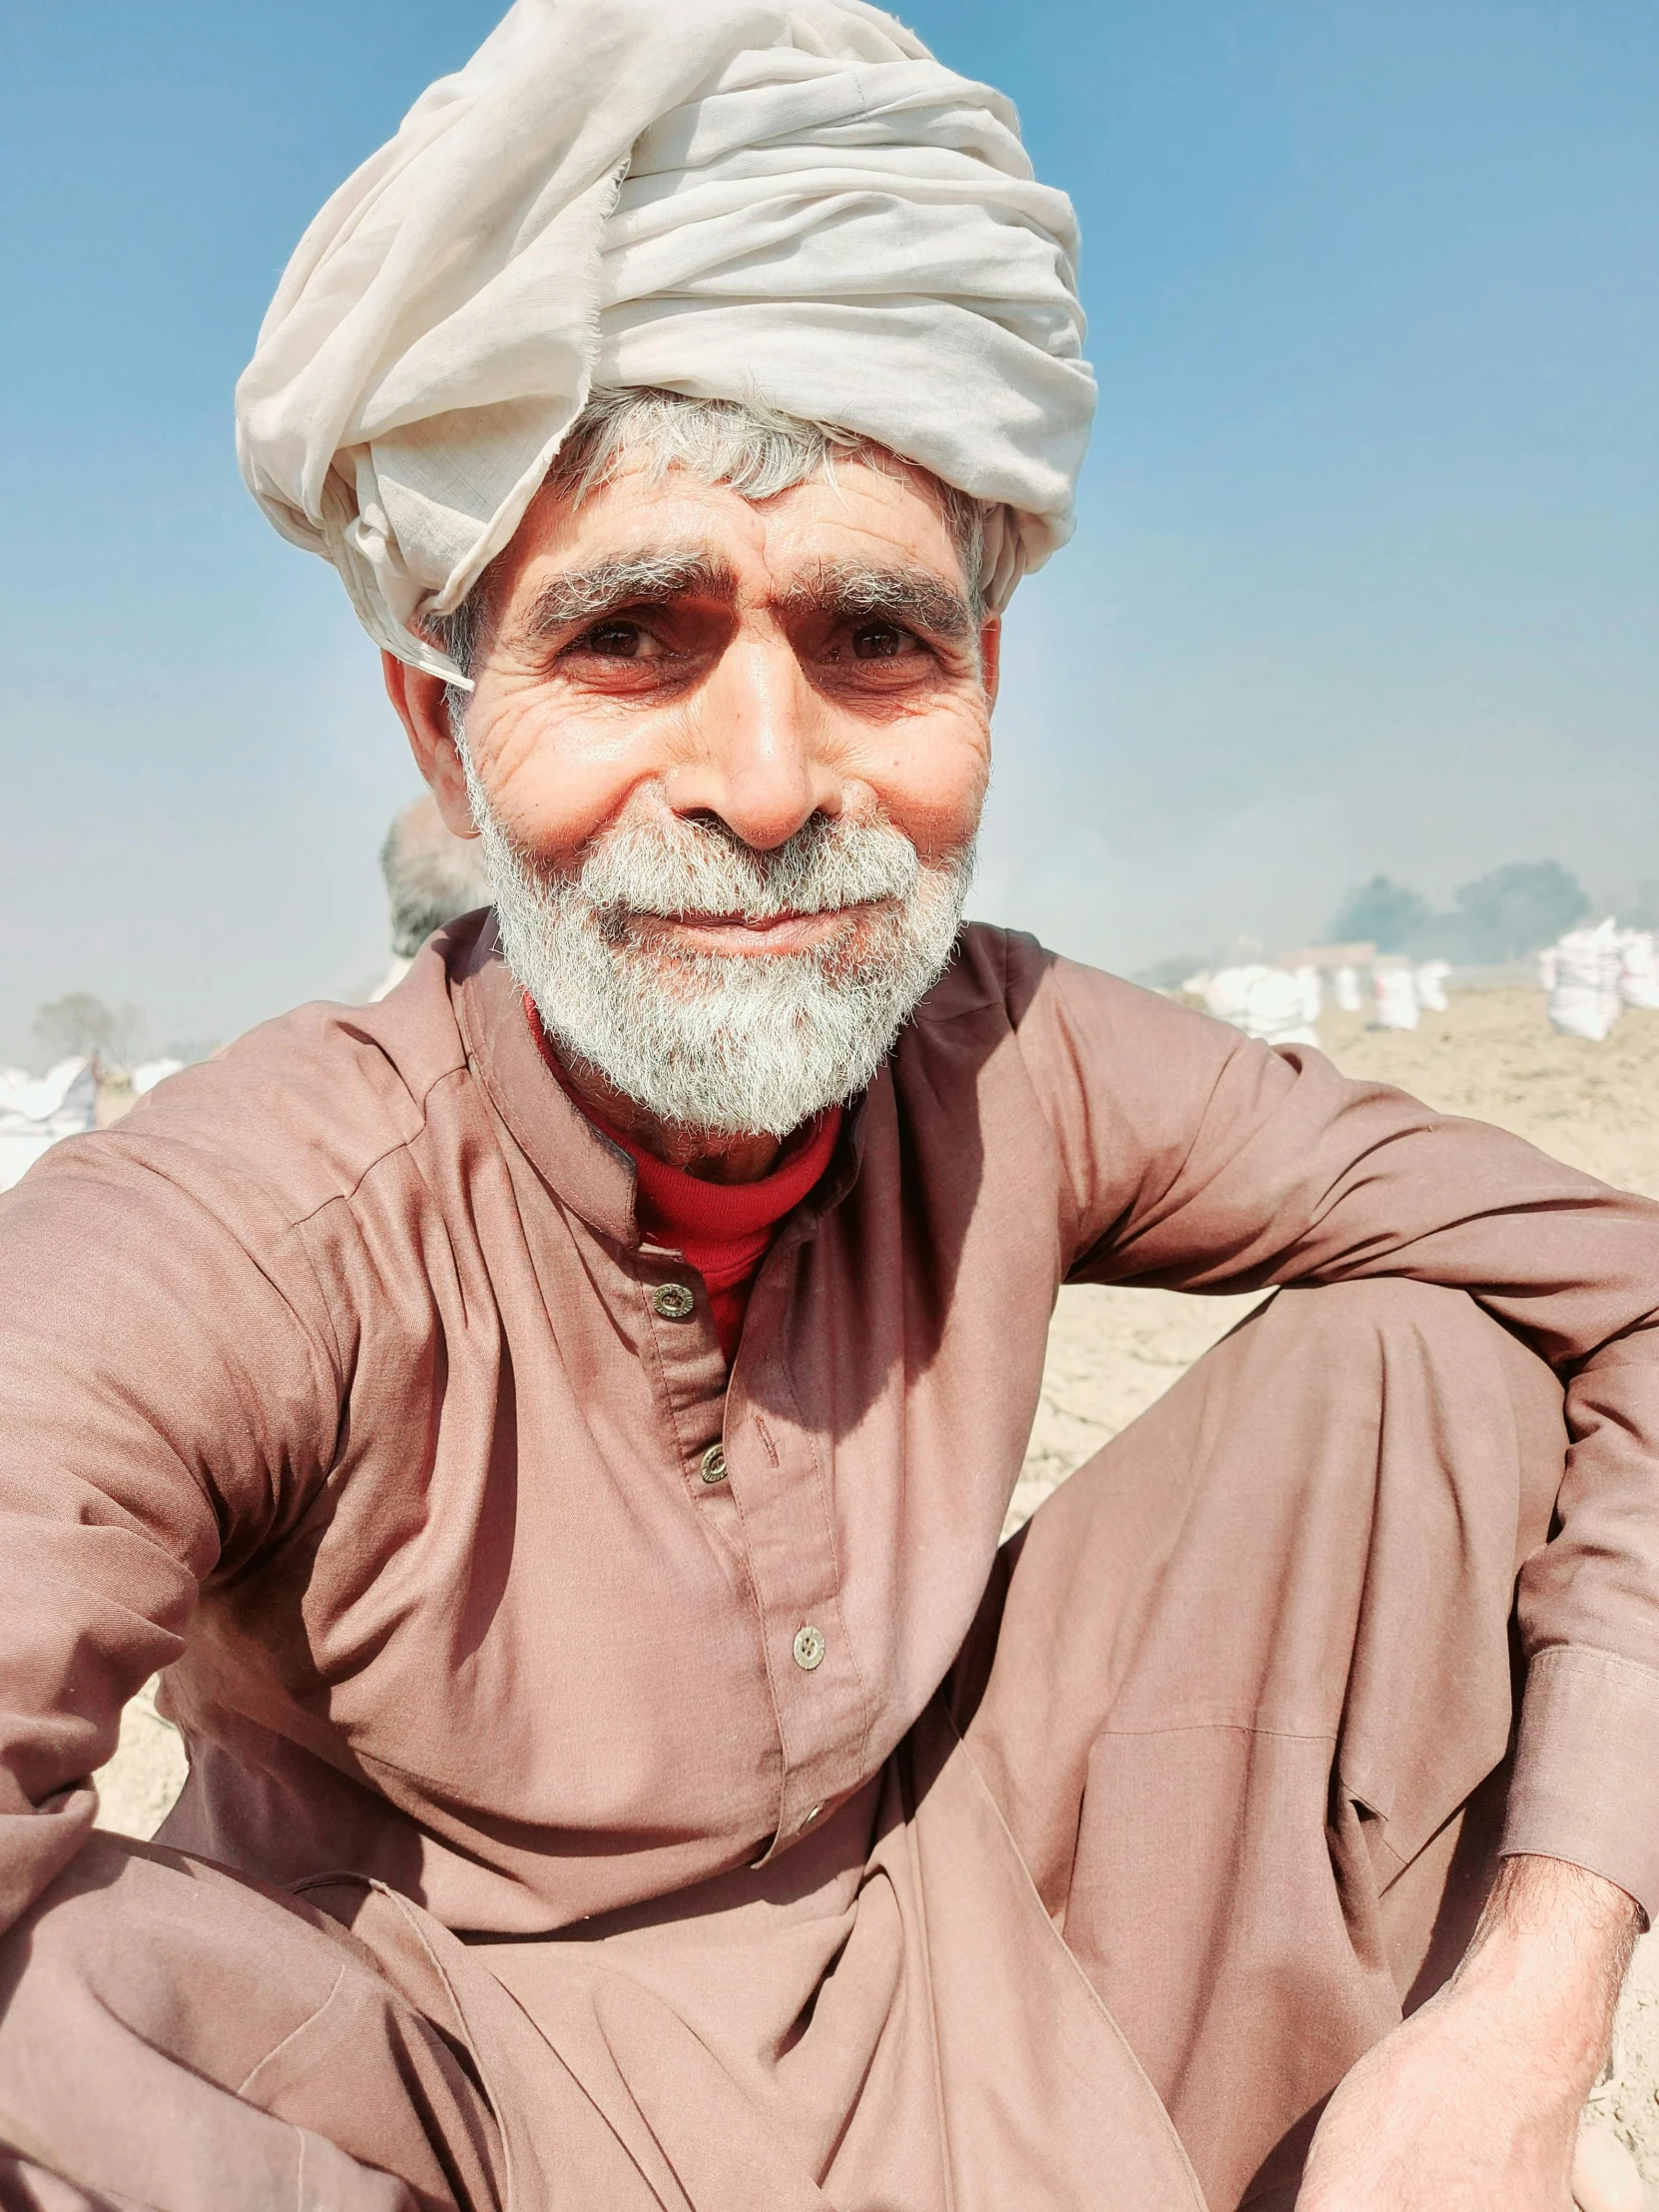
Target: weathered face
724,713
672,648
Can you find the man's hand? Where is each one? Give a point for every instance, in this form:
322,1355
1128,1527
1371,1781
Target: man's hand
1473,2104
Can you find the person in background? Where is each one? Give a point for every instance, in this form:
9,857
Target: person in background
433,877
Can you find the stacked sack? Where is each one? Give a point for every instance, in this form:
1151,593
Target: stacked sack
1639,969
1430,982
37,1112
1394,992
1345,988
1275,1005
1583,976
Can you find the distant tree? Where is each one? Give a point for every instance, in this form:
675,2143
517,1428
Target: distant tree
1516,910
1389,914
80,1026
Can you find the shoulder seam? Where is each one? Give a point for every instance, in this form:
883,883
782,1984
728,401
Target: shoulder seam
349,1194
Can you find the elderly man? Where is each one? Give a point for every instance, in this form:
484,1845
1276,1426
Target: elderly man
553,1428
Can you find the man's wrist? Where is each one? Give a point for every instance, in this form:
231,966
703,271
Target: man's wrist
1548,1962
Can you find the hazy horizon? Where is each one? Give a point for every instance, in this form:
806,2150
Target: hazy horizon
1365,576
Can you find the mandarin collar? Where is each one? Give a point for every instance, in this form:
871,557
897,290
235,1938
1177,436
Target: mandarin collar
587,1172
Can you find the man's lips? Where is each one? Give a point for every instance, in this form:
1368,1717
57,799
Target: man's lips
740,933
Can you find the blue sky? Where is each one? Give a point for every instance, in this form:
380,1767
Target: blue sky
1369,560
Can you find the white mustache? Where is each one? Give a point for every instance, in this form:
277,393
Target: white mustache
697,869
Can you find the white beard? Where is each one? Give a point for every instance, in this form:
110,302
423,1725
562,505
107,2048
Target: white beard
734,1044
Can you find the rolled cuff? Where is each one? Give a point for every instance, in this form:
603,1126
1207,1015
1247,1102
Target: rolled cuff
1587,1774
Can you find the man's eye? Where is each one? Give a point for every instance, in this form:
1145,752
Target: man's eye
881,641
613,641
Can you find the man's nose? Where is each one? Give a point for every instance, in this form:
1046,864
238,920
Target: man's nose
758,762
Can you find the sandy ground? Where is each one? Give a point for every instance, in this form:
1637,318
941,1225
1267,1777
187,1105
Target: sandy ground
1111,1353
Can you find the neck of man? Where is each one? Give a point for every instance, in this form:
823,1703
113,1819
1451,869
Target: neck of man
709,1155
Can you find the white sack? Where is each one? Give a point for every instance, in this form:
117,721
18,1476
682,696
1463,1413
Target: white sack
1345,988
1395,993
37,1112
1639,974
149,1073
61,1103
1580,1010
1265,1002
726,198
1430,982
1581,974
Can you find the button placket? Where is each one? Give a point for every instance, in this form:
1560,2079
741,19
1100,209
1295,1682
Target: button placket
819,1693
821,1701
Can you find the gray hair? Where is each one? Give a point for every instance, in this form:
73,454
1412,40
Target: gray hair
431,877
756,448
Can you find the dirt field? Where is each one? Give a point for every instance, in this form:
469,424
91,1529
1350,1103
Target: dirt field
1111,1353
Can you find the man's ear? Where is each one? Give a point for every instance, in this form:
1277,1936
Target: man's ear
423,709
990,656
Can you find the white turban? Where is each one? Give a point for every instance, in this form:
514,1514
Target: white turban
790,202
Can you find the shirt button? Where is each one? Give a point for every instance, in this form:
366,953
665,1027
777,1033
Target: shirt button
714,1463
673,1301
808,1648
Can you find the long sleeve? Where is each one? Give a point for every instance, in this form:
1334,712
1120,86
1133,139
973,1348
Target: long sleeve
1198,1160
161,1404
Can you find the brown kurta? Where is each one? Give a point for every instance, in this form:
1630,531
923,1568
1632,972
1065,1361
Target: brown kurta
334,1377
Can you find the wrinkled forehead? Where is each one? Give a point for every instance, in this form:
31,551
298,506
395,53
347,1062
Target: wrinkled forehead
859,513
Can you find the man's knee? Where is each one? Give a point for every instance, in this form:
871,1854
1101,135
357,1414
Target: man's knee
1456,1398
173,1950
1374,1315
161,2017
1367,1460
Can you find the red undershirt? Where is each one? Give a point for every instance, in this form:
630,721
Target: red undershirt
722,1228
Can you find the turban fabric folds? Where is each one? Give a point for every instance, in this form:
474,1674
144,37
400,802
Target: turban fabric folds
791,202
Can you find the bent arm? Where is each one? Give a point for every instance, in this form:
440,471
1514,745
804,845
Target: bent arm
157,1392
1198,1160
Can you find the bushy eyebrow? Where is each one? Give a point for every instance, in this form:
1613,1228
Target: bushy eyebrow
904,593
632,580
842,590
